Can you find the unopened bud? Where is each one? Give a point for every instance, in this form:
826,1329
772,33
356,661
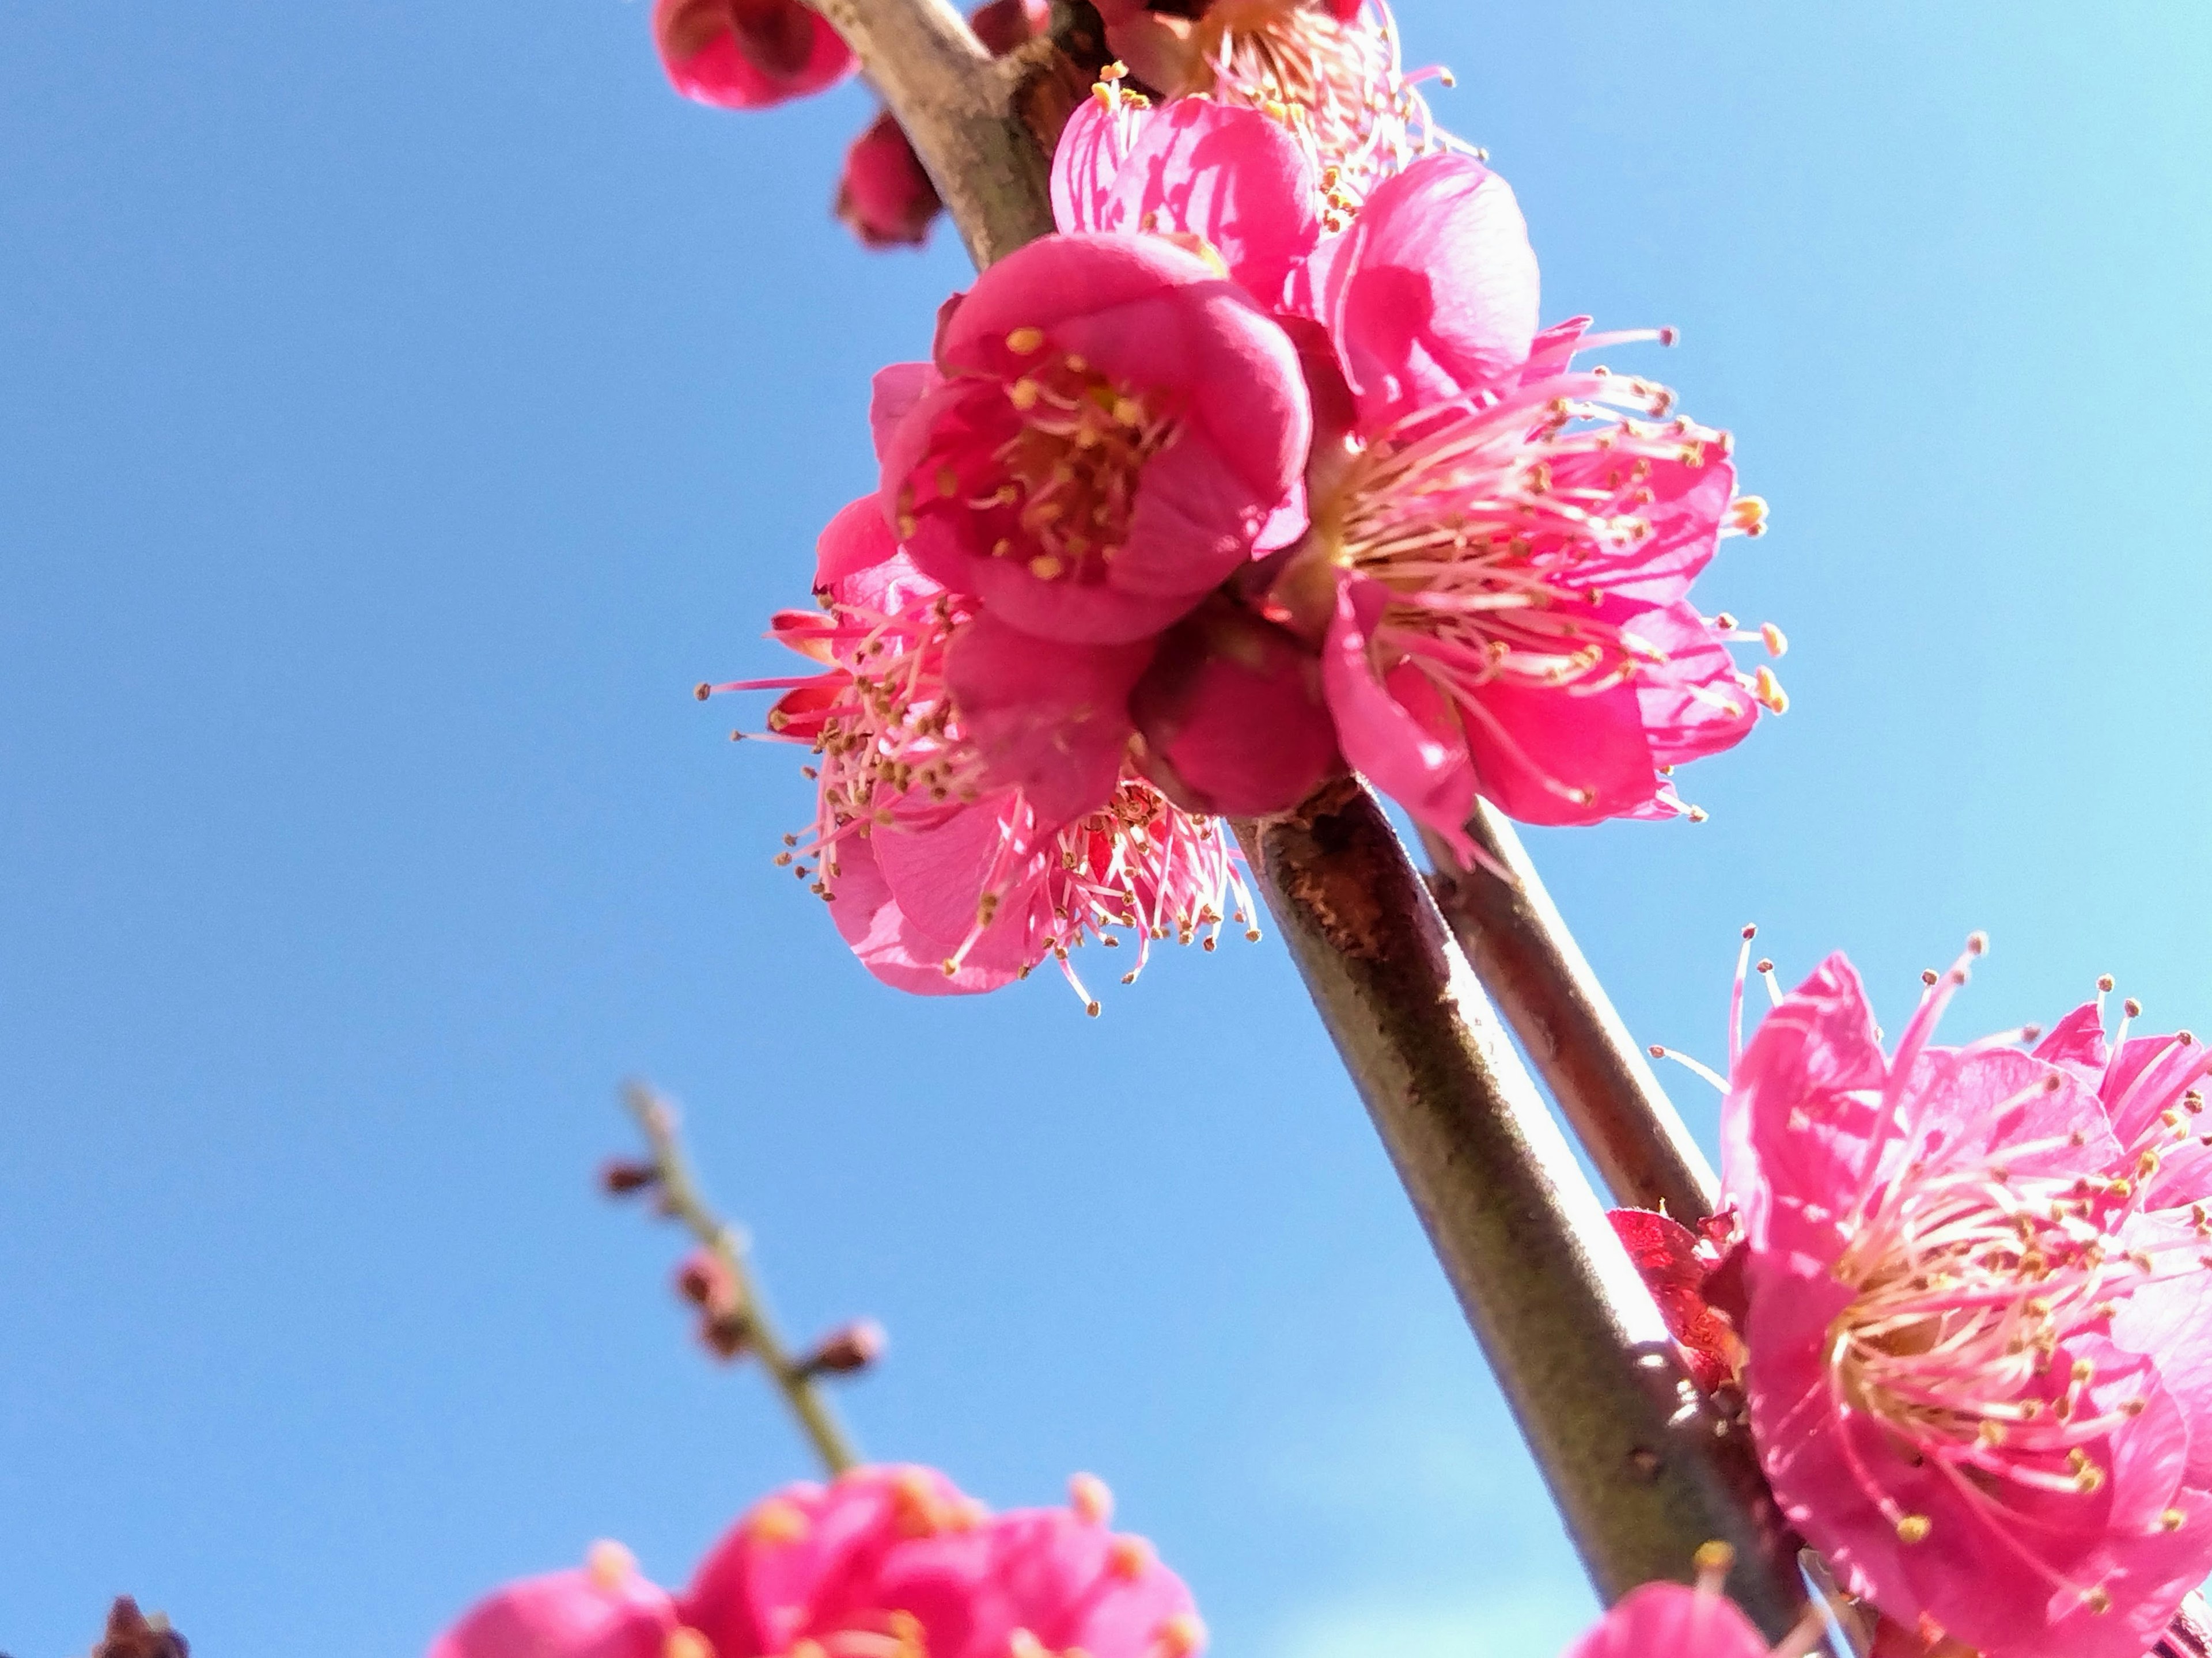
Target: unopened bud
853,1347
620,1176
726,1335
705,1282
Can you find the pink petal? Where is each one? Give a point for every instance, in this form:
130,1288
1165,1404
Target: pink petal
1430,777
1233,176
895,947
1052,719
747,54
1432,293
1234,718
1671,1620
569,1614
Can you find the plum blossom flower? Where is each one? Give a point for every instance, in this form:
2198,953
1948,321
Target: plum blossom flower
895,1562
2151,1088
1977,1370
1108,427
747,54
974,814
1502,545
1329,72
607,1610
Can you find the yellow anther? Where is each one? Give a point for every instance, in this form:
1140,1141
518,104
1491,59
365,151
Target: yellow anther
1768,689
778,1520
1023,393
1088,1495
1044,567
1023,341
2172,1518
689,1644
1776,640
609,1565
2098,1599
1180,1636
1914,1528
1128,1557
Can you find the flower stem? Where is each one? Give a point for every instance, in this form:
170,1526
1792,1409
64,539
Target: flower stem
1528,960
1643,1467
679,1198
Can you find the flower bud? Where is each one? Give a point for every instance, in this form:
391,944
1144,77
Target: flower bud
884,197
705,1282
853,1347
131,1634
620,1176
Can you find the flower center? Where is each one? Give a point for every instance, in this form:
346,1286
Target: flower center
1498,524
1971,1284
1337,86
1044,464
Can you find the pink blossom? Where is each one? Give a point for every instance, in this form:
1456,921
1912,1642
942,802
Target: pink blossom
1503,581
986,895
1232,177
1330,71
884,197
1230,716
895,1562
1977,1376
747,54
974,816
607,1610
2151,1088
1111,429
1672,1620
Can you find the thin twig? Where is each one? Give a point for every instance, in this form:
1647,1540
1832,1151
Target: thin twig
679,1197
1531,966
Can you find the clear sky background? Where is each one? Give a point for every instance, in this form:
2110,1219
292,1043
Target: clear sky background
402,404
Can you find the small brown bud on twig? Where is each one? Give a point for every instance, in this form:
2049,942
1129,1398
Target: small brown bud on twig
131,1634
703,1280
726,1335
620,1176
853,1347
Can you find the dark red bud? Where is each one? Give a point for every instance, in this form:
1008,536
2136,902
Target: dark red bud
705,1283
884,197
853,1347
1002,25
726,1335
131,1634
620,1176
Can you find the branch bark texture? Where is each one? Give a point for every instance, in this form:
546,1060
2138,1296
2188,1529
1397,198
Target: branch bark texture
1529,961
982,127
1643,1468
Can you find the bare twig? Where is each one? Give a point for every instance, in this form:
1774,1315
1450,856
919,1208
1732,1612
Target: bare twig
1645,1469
1529,962
679,1198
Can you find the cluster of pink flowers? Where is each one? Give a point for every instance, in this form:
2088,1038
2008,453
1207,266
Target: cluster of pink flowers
884,1562
1261,469
1964,1294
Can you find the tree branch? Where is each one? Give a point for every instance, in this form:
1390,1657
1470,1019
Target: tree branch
1643,1468
983,128
1529,962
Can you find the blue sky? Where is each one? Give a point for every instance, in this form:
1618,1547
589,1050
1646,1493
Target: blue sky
402,406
